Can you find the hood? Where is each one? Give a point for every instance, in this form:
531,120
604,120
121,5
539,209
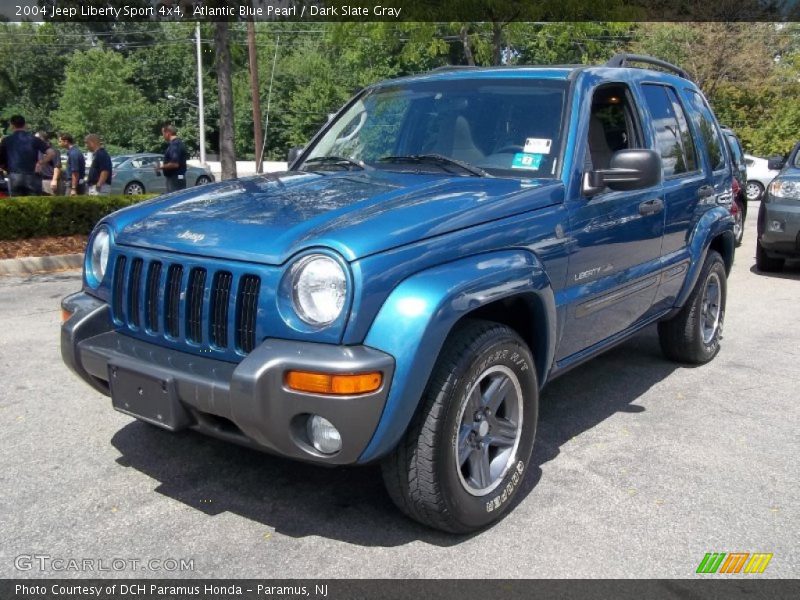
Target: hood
266,219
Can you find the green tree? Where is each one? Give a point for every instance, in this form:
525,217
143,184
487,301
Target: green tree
99,97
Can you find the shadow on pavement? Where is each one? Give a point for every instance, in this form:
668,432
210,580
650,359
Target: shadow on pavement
791,270
350,504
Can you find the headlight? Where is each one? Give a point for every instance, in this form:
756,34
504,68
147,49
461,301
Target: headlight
98,257
319,288
783,188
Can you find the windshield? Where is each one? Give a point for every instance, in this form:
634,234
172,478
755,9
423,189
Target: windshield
503,127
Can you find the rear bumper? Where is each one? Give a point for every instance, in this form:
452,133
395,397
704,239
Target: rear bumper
245,403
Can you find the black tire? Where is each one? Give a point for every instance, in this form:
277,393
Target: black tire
751,193
685,337
741,215
423,475
203,180
766,263
134,187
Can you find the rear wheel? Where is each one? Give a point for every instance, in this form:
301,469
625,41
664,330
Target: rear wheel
134,188
766,263
202,180
694,334
738,222
463,457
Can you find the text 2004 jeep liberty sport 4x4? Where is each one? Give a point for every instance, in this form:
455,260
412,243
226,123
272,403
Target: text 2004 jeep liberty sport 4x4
443,247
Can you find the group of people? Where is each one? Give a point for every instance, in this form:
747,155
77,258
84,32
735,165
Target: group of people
34,165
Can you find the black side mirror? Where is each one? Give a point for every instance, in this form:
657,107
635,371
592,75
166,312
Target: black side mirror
627,170
775,163
294,153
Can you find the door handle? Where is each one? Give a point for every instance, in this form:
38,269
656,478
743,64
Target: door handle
651,207
705,192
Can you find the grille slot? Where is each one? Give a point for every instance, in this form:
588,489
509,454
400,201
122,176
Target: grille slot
151,296
117,294
194,305
172,300
220,296
246,305
134,289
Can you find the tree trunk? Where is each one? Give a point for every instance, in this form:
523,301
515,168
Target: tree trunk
467,46
258,138
227,152
497,42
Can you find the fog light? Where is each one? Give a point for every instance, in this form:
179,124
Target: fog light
323,435
775,226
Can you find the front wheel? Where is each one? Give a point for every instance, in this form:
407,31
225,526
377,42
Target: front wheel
694,334
134,188
753,190
766,263
463,457
203,180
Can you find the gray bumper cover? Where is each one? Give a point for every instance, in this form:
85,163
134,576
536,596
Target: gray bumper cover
255,407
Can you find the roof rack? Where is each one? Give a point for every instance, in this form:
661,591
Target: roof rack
623,58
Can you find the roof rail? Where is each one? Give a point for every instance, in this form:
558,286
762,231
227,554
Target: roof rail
623,58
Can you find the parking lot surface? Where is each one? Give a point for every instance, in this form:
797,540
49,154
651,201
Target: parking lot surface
641,466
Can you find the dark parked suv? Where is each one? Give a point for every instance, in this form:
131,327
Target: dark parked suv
779,215
445,246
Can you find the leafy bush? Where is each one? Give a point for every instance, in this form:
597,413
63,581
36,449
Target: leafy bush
39,216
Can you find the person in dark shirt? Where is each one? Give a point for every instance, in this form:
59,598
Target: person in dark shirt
50,173
99,179
174,163
20,154
76,165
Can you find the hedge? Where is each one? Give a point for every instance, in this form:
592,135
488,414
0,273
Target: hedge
40,216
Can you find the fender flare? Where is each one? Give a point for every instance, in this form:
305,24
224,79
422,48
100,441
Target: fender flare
714,223
419,314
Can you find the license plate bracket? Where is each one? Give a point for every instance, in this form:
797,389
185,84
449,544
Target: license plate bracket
151,398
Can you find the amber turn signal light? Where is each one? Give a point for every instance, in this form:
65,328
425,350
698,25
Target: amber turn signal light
324,383
65,315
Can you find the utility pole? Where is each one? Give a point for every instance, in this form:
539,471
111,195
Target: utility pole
254,93
200,111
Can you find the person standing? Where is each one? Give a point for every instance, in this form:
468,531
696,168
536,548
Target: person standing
76,165
20,156
50,173
174,164
99,179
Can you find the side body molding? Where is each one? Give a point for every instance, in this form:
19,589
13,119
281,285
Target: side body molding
416,318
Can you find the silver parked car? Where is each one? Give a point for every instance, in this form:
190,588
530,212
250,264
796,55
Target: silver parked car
136,174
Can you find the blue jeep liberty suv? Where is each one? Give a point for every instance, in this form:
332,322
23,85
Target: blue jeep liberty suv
445,245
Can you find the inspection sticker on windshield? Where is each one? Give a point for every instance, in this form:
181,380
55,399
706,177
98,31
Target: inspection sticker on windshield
524,160
538,145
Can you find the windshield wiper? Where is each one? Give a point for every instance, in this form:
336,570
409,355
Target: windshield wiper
337,161
437,159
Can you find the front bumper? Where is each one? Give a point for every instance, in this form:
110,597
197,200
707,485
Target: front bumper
783,241
245,403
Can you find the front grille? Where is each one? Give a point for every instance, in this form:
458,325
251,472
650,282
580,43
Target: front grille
246,303
220,297
187,304
172,300
194,305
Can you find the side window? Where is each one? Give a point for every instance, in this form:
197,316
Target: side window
708,130
613,125
673,139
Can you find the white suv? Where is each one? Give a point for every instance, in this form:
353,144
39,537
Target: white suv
759,176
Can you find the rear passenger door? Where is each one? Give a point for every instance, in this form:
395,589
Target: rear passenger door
712,186
685,183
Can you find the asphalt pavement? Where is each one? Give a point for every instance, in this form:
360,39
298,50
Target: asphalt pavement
641,466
